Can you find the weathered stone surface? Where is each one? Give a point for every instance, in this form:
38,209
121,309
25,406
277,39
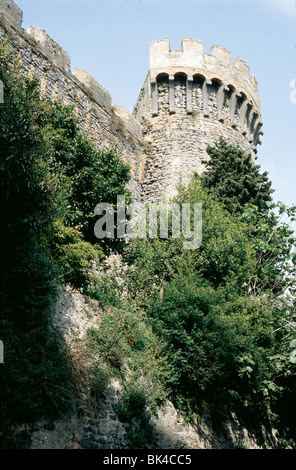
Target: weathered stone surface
50,47
96,91
11,11
191,59
190,99
43,58
130,121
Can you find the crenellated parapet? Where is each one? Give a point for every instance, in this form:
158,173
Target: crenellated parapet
189,99
212,87
192,60
50,47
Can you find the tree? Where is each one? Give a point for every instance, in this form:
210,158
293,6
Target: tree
228,349
234,179
91,177
273,238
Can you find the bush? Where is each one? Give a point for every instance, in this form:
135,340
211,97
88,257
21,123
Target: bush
220,340
133,410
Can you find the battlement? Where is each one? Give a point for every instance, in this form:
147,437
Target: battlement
11,11
43,58
207,87
50,47
192,59
53,52
98,93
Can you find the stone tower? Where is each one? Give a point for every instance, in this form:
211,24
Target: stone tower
189,99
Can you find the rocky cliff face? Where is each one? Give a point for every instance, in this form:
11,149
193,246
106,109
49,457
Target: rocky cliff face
98,426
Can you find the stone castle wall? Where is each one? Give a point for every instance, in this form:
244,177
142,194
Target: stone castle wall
189,99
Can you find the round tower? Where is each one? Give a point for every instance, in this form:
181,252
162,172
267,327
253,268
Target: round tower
188,101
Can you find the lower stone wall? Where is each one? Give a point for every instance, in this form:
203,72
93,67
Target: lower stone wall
92,427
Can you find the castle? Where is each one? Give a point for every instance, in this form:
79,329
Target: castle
189,99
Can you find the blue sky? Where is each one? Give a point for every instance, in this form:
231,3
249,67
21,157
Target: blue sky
110,40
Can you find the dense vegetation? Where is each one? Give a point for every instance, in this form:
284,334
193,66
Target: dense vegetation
51,178
227,330
209,328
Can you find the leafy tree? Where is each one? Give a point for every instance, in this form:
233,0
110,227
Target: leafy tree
238,184
228,349
30,200
51,178
225,255
273,239
234,178
91,176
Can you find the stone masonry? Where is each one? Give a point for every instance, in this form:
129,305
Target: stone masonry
189,99
105,124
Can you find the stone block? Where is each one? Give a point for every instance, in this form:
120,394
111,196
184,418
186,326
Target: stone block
52,49
222,55
88,444
11,11
157,50
192,47
132,125
241,66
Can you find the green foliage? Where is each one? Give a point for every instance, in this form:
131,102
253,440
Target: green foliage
110,341
234,179
125,338
31,379
126,342
221,340
104,289
133,410
51,178
99,380
74,254
219,346
91,176
36,380
225,255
